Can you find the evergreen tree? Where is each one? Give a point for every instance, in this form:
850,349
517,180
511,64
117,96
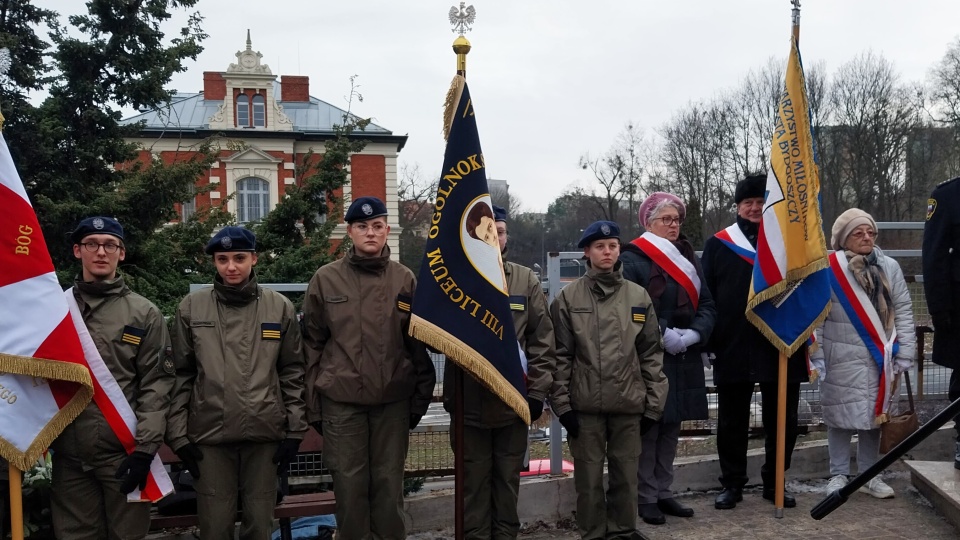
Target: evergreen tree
71,150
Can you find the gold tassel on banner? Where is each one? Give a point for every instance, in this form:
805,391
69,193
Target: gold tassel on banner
471,362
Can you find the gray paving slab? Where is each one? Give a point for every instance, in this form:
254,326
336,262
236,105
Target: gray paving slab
907,516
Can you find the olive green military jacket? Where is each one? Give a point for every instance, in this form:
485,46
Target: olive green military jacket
131,336
609,353
356,316
240,368
531,319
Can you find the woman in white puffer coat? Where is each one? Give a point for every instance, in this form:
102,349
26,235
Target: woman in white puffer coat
864,280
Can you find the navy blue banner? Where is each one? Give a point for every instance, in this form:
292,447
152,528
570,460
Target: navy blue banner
462,306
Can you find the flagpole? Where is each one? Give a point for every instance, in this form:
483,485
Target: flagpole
462,20
782,367
16,503
781,434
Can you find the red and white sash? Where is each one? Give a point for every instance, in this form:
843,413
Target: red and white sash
668,257
733,238
119,415
866,321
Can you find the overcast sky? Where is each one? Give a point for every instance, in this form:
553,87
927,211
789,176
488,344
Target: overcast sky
551,80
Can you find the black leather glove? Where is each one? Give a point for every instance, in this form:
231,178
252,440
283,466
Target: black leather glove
571,422
286,452
646,424
536,409
942,321
415,419
190,454
318,425
135,467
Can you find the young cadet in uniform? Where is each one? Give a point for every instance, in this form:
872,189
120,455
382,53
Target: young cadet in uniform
494,437
368,381
237,416
92,474
941,283
609,387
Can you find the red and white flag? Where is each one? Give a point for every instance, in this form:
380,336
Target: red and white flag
44,380
49,365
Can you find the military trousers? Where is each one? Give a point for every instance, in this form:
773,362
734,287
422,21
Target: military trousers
655,469
365,448
231,470
492,461
87,503
614,438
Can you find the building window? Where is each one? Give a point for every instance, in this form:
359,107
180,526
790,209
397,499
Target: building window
253,199
243,110
189,207
259,111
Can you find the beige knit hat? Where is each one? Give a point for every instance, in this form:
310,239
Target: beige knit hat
846,223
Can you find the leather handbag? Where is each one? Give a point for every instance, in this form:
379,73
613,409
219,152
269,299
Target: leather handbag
897,428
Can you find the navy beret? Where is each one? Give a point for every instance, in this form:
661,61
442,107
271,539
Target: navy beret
750,187
599,230
232,238
96,225
499,214
364,208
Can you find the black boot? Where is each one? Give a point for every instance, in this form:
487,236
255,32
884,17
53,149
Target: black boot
728,498
651,514
671,507
788,500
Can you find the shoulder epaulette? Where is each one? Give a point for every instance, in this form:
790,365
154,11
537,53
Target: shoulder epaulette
945,182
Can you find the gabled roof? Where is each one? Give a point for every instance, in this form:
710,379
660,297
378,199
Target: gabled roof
191,112
251,154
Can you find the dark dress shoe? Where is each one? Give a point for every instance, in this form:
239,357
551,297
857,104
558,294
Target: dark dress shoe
637,535
788,500
651,514
728,498
671,507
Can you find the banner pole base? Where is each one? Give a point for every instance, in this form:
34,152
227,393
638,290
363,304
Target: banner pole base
16,503
778,513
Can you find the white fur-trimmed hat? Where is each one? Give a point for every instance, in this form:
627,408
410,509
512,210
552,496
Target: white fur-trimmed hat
846,223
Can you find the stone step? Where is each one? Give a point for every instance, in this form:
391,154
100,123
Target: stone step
939,482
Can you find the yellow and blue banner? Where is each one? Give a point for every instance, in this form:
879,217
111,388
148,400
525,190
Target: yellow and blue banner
461,306
790,292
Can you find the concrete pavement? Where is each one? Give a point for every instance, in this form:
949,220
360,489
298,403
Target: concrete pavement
906,516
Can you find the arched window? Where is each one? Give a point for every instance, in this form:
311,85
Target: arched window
243,110
259,111
253,199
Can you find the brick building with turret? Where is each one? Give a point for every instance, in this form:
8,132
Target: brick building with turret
266,126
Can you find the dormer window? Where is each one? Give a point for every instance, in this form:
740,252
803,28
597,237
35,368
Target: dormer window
259,111
251,110
243,110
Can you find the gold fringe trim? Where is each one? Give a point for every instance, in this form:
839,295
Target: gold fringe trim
451,102
793,275
47,369
467,358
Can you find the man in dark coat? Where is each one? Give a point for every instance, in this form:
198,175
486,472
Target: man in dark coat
743,356
941,282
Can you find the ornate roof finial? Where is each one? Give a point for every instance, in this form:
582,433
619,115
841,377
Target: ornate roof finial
248,61
462,19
